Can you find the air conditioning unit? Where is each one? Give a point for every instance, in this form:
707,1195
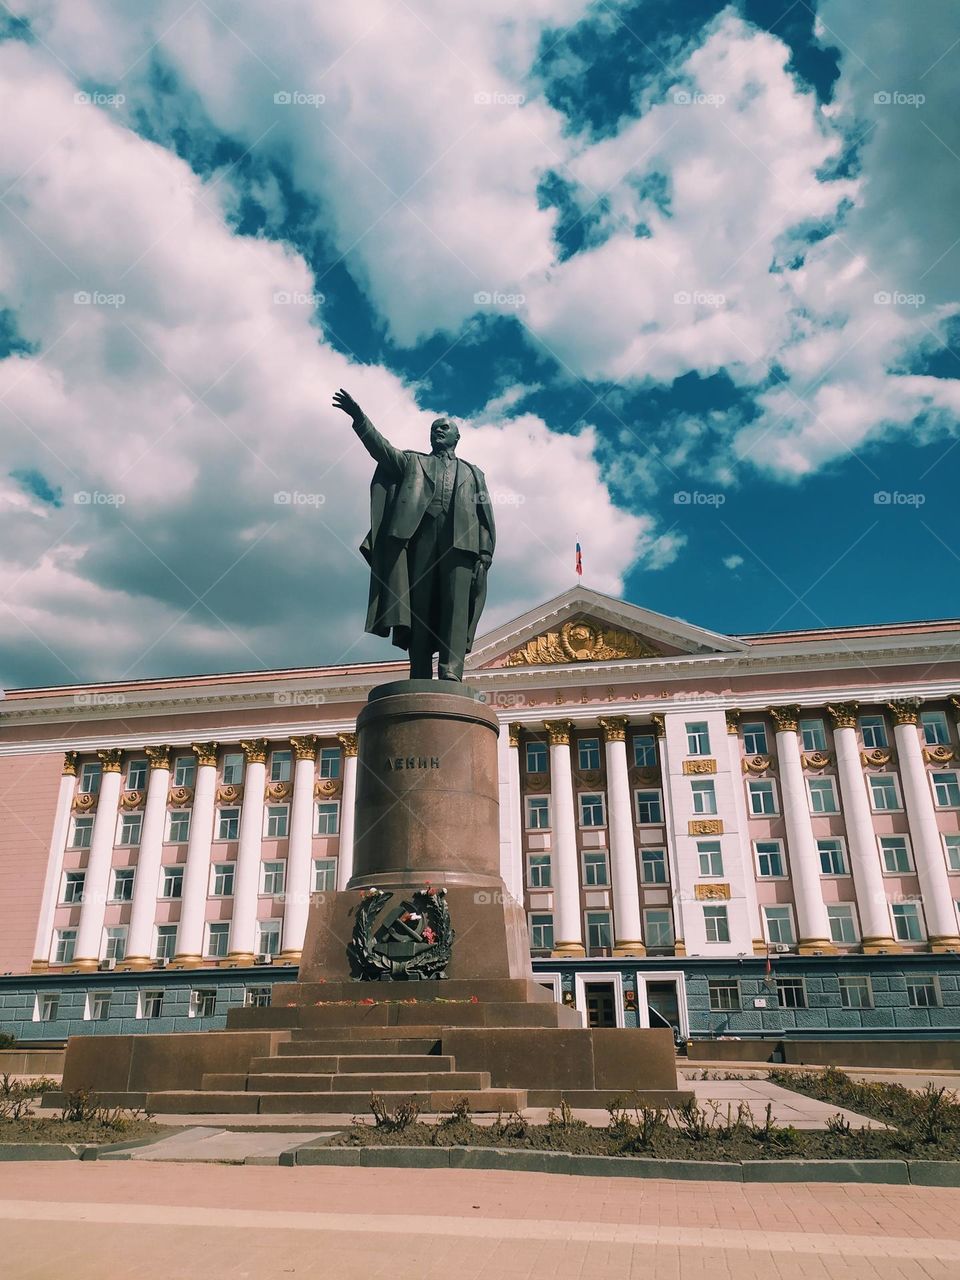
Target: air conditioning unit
263,958
105,966
781,947
161,962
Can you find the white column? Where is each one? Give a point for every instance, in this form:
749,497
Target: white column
196,875
296,897
515,876
623,854
567,920
813,923
246,880
748,871
938,909
861,838
97,881
58,843
679,892
348,802
146,886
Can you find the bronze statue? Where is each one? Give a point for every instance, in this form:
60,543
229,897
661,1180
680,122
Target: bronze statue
429,547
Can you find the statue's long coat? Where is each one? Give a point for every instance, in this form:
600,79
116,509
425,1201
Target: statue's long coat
400,492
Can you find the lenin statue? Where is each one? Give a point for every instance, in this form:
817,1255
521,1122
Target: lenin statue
429,547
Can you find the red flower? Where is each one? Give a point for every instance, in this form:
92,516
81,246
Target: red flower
428,935
368,1000
474,999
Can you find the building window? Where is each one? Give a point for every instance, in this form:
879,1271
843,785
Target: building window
218,938
658,929
771,863
654,866
855,993
649,808
122,889
223,873
755,739
823,795
595,868
946,790
539,870
268,937
599,932
645,751
232,769
763,797
172,882
136,775
179,827
257,997
704,797
588,753
228,824
843,923
82,832
922,992
832,860
935,731
711,860
724,995
280,765
536,757
273,878
73,886
873,732
591,810
329,762
47,1007
151,1004
166,942
131,825
328,817
184,771
716,924
884,794
65,942
907,924
98,1006
698,739
203,1003
324,875
779,926
952,847
895,853
91,775
791,993
278,817
538,813
541,932
116,942
813,735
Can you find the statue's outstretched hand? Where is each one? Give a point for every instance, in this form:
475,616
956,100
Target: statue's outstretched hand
344,401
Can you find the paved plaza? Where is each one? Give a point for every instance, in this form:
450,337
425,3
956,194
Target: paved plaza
177,1222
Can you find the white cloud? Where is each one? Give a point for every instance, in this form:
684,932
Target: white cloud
732,562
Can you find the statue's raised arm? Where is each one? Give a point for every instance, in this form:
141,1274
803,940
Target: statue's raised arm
371,439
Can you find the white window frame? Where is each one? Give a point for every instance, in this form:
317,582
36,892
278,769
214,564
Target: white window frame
648,791
850,910
219,871
91,778
544,862
43,1001
81,822
640,757
842,848
142,767
789,918
112,935
122,875
703,797
710,850
753,730
582,981
762,787
944,773
779,851
661,861
231,768
253,997
281,765
659,946
529,809
93,1000
643,1003
179,814
862,979
222,819
937,721
698,737
531,926
869,726
813,734
67,937
269,870
326,809
209,935
815,786
146,998
175,871
592,747
921,922
166,952
592,797
898,871
953,867
125,821
595,858
724,918
598,911
184,771
276,814
268,929
328,759
889,779
70,879
329,868
536,747
197,997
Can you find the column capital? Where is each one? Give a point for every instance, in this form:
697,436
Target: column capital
614,728
559,732
844,714
954,701
254,750
349,743
70,762
732,717
110,759
206,752
514,732
158,757
304,747
785,718
659,725
905,710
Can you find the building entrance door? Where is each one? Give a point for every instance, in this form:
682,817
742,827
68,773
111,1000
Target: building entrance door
601,1005
664,1006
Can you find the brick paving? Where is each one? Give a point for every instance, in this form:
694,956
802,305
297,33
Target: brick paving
93,1220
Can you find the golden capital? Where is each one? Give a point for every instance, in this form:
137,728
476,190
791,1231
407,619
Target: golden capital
349,743
559,732
110,759
70,759
255,750
733,719
905,710
614,728
844,714
954,701
305,747
514,731
785,718
206,752
158,757
659,725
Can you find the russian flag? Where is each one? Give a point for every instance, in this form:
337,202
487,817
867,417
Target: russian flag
579,561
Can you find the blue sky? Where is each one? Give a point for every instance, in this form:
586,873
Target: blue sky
688,275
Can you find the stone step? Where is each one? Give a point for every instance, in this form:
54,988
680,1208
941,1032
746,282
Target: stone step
235,1102
394,1082
347,1064
400,1039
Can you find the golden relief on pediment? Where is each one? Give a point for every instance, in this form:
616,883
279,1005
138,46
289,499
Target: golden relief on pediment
580,641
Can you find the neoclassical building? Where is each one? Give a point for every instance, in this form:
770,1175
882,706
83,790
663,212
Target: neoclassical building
738,835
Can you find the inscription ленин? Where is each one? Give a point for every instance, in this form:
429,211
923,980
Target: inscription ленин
412,762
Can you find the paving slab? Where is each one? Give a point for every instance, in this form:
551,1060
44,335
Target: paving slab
204,1144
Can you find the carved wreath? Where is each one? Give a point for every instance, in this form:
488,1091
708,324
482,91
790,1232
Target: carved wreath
373,965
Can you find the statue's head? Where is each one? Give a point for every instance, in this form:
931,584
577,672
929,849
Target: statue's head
444,434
